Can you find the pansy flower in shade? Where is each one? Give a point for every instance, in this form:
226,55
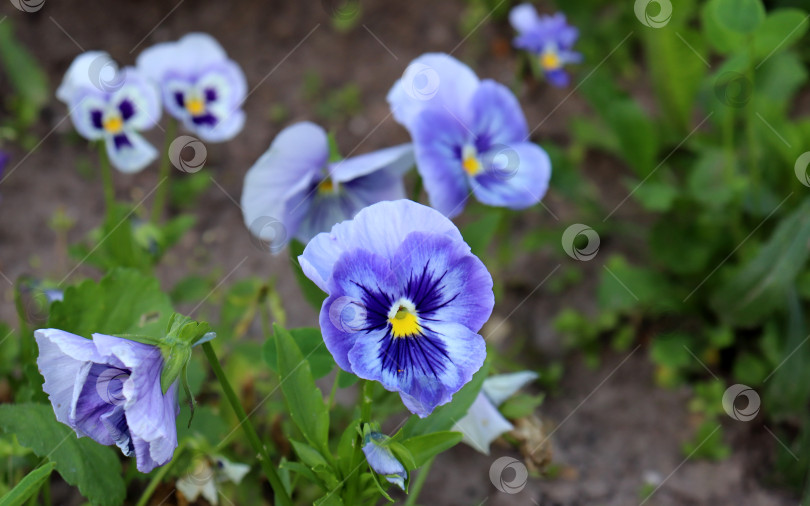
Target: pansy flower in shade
483,423
108,388
470,137
295,183
550,38
207,474
113,105
382,460
201,86
406,301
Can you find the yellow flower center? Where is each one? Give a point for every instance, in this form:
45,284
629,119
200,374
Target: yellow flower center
470,161
195,106
114,124
404,322
550,60
326,186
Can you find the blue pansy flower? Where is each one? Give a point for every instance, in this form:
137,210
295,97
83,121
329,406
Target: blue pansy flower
550,38
406,301
113,105
382,460
470,137
108,388
294,184
483,423
201,86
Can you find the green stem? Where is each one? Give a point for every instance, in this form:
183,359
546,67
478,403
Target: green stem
365,401
157,478
163,173
250,431
751,135
334,390
421,478
106,177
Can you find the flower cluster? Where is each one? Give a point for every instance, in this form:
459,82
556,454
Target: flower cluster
198,84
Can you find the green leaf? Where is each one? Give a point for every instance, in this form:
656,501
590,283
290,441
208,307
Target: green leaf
742,16
759,287
125,301
656,196
625,288
28,78
310,342
444,417
521,405
723,39
28,486
94,468
310,290
780,30
427,446
479,234
671,350
304,399
308,455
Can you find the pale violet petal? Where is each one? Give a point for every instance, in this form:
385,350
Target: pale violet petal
482,424
133,156
503,386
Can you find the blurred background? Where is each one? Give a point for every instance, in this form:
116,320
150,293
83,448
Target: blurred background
679,156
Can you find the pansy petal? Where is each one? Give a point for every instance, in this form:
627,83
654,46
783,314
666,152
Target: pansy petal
397,159
97,391
84,73
482,424
225,128
379,229
385,184
382,460
516,176
129,152
433,81
139,96
86,113
558,78
497,116
295,158
523,17
61,357
193,52
503,386
439,139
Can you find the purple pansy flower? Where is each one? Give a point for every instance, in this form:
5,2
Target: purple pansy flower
113,105
201,86
470,136
406,301
382,460
551,38
295,185
108,388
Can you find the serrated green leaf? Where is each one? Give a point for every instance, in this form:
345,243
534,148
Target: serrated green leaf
28,486
304,398
94,468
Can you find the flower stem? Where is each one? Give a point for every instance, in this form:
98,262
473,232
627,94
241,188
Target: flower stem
163,173
421,478
157,478
106,177
365,401
264,459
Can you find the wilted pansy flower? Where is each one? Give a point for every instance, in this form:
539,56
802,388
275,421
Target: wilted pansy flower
406,300
201,86
113,105
550,38
483,423
295,185
108,388
382,460
469,136
206,476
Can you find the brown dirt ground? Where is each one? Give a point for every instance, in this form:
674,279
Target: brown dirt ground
610,425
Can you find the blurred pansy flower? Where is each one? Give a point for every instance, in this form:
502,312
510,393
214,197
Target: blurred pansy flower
108,388
112,104
470,137
406,300
295,183
201,86
382,460
550,38
483,423
206,476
